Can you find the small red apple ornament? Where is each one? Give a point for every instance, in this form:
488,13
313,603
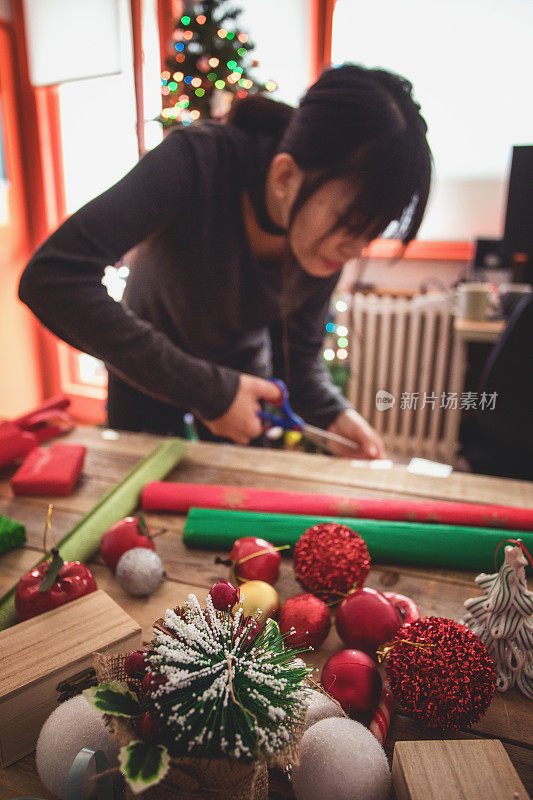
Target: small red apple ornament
366,619
135,664
124,535
147,727
352,678
254,559
407,608
52,584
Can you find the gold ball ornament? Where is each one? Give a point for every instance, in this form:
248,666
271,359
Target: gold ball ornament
258,596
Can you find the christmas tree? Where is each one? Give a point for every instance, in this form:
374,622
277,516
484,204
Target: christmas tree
503,620
212,685
209,66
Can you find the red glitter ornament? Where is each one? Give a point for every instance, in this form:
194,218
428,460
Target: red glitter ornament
330,560
309,619
440,673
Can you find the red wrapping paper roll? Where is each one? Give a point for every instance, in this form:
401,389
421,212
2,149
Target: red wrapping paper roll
180,497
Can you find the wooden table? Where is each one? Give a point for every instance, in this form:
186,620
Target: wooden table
437,591
468,330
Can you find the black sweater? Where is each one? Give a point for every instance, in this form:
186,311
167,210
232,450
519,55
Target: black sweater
198,307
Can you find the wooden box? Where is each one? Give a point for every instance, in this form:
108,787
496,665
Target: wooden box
49,658
458,769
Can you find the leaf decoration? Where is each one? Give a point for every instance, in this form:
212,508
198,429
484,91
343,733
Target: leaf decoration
143,764
271,638
142,525
52,572
114,698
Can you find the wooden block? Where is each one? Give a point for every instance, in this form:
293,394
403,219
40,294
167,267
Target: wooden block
46,659
463,769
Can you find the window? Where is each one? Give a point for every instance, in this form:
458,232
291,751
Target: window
470,62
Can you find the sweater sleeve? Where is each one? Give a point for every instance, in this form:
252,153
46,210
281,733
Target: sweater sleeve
313,395
62,283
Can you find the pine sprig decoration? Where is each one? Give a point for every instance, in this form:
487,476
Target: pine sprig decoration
210,55
230,689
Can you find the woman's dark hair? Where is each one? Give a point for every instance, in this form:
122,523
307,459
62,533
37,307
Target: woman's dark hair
357,124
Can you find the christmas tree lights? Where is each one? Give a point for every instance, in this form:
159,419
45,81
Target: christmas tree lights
209,65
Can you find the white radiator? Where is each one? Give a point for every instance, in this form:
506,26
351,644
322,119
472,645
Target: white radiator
405,348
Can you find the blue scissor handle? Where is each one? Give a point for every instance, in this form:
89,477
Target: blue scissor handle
287,420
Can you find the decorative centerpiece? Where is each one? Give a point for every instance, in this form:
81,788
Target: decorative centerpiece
201,713
503,619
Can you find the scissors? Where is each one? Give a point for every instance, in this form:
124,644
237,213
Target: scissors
290,421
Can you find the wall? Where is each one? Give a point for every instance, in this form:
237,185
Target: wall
407,273
281,32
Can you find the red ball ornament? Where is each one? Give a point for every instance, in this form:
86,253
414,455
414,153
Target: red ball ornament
254,559
366,619
440,673
407,608
124,535
306,621
224,595
330,560
352,678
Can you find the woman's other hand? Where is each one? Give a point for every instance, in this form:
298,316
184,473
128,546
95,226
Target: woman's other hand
240,422
353,426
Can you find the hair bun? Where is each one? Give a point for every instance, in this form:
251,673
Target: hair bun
259,114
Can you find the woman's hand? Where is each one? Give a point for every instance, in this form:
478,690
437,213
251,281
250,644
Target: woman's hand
352,426
240,422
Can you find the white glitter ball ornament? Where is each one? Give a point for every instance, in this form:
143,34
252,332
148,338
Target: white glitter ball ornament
140,571
321,707
341,760
72,726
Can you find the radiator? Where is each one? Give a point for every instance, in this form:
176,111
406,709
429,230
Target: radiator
405,370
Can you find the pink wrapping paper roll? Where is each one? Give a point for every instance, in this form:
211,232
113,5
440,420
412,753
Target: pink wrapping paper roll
180,497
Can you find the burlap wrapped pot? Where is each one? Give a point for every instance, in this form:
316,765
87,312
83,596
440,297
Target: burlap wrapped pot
187,778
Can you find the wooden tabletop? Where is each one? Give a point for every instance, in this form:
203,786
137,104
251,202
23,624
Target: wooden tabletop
478,331
437,591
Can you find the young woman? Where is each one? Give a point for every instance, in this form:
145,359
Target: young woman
235,235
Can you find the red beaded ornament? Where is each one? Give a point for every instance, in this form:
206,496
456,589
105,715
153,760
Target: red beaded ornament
330,560
440,672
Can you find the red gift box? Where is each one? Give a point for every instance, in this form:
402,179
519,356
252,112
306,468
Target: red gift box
54,470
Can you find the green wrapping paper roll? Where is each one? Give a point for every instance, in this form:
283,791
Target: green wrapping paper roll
83,541
432,545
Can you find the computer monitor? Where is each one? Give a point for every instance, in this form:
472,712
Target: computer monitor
518,232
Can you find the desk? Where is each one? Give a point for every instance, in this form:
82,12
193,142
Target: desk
465,332
436,591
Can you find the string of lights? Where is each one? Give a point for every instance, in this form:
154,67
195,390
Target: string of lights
209,58
336,349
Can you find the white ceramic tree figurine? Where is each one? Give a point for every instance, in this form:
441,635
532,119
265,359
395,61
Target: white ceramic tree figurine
503,620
